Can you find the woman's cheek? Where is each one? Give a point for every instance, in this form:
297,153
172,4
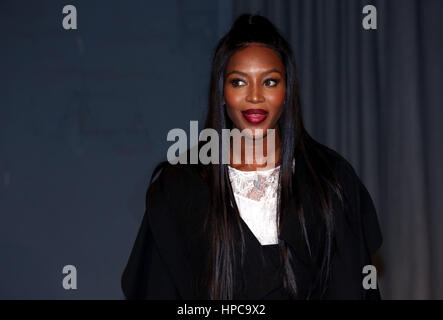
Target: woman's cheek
233,115
234,106
276,100
234,98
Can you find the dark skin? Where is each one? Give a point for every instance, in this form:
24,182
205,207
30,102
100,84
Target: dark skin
255,79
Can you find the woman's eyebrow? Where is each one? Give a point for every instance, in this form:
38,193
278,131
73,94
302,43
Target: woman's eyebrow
238,72
271,71
245,74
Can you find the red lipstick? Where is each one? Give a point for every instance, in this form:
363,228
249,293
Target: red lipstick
255,116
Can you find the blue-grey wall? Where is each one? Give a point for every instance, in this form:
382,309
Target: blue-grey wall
83,120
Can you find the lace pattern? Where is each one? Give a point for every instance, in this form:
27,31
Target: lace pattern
255,185
256,197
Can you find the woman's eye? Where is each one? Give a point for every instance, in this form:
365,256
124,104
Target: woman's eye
237,82
271,82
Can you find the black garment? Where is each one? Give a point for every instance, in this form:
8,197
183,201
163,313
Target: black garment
170,249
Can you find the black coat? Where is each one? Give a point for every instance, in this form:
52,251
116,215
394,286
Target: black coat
169,251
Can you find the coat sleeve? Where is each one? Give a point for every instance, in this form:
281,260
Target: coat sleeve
358,236
147,275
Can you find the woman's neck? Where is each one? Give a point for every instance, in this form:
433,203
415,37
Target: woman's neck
267,157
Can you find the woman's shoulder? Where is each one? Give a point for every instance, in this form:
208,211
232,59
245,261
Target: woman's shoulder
339,165
363,210
174,173
175,183
352,186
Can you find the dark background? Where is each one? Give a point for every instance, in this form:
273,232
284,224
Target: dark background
84,116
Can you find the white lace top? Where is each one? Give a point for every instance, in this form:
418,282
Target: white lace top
256,197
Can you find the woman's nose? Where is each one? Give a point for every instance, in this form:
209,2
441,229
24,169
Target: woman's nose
255,95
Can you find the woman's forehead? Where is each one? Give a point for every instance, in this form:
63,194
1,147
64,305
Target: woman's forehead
255,57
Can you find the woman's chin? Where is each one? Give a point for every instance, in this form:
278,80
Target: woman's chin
253,133
257,132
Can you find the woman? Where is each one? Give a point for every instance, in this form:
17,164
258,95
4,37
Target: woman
293,223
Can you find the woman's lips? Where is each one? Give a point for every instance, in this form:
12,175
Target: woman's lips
255,116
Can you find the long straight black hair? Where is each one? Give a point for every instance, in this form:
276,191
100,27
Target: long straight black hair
314,183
